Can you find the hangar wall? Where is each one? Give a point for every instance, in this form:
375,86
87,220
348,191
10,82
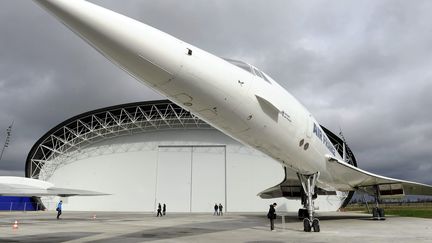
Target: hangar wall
189,170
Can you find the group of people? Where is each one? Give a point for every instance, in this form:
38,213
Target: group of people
218,209
161,211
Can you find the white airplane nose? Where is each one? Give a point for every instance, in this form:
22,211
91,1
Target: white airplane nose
143,51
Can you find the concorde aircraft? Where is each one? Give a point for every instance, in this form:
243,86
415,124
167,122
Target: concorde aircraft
235,97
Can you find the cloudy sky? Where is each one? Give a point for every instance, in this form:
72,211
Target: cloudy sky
361,66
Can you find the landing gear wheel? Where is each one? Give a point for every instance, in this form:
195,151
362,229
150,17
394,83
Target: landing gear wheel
378,213
375,213
307,225
302,213
315,225
381,213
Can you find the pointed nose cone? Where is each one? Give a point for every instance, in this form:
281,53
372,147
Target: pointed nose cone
144,52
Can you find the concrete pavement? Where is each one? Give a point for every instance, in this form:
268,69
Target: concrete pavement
232,227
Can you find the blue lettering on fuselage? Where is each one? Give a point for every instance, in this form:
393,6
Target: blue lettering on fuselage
324,139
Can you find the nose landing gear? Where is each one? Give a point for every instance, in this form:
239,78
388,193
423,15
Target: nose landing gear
309,183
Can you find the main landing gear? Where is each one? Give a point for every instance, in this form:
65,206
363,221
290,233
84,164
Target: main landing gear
377,212
307,213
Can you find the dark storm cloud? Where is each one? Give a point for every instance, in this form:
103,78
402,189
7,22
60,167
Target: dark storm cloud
47,75
362,66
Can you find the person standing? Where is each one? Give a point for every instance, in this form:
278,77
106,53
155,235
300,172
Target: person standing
216,209
220,209
272,215
59,209
159,210
164,209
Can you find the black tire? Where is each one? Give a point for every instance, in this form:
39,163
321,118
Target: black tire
316,225
381,213
306,225
375,213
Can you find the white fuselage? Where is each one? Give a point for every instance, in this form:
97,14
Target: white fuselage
242,105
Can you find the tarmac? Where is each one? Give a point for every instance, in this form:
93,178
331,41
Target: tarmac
231,227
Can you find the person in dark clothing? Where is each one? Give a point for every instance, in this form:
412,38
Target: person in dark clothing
159,210
220,209
59,209
164,209
216,209
272,215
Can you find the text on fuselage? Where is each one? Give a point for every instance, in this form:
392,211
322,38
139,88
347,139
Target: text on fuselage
324,139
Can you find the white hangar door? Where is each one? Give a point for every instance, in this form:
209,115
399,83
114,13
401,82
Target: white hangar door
173,181
190,178
208,178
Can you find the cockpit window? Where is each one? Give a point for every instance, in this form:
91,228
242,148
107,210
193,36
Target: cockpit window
257,73
261,75
265,77
249,68
241,65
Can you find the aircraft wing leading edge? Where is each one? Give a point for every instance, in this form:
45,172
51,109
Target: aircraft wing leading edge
20,186
352,178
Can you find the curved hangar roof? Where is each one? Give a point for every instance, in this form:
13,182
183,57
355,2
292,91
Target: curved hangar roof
91,127
94,126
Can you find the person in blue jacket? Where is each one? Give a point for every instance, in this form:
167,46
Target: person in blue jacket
59,209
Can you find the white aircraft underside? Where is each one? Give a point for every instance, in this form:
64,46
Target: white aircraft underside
234,97
21,186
